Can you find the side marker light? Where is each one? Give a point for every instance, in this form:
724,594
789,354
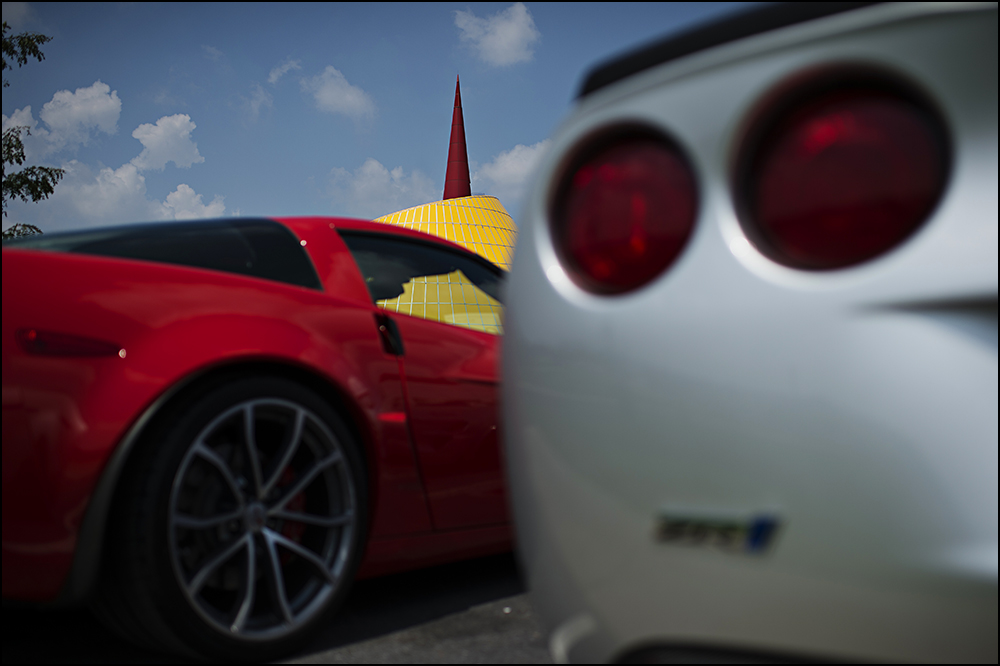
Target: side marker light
48,343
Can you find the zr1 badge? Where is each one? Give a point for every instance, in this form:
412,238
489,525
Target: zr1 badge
740,532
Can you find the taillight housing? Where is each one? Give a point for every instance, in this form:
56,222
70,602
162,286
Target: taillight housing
623,211
842,174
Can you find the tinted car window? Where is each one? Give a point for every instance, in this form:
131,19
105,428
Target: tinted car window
257,248
421,279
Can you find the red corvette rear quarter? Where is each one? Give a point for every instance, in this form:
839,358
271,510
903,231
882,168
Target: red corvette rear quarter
69,424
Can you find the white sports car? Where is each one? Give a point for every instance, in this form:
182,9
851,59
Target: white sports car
750,364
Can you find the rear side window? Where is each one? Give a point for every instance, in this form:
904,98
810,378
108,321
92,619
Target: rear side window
253,247
421,279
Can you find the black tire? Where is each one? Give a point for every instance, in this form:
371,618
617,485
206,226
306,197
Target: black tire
212,557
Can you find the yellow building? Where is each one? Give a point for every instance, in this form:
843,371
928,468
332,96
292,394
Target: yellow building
477,222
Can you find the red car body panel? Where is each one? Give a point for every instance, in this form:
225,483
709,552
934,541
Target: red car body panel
64,417
458,448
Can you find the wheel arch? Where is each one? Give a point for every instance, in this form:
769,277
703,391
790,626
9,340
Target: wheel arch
85,569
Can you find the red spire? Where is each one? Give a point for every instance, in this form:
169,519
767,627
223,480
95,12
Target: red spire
456,180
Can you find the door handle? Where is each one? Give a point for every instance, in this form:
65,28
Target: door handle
388,332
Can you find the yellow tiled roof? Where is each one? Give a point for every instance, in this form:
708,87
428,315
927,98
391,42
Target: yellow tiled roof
479,223
451,298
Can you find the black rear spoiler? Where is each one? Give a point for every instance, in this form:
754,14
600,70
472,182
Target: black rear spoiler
706,36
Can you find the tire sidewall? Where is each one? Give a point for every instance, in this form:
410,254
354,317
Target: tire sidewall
167,451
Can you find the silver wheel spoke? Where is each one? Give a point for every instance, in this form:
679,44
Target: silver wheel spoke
302,552
248,595
199,578
297,475
323,521
220,464
196,523
250,430
286,455
302,483
279,580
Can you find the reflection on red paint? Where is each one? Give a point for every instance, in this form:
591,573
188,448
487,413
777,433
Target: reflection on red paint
64,415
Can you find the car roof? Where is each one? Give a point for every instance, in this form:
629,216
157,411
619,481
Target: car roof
273,255
251,246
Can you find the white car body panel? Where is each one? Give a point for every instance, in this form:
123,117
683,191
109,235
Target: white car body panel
858,405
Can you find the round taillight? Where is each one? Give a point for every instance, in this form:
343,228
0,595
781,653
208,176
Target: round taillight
623,213
844,177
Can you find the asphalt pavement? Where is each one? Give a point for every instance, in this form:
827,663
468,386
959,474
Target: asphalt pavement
504,631
469,612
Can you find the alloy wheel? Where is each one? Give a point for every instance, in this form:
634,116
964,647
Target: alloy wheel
262,518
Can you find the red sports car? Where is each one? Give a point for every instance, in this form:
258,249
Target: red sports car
210,428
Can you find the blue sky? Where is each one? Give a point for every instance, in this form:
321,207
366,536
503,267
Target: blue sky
162,111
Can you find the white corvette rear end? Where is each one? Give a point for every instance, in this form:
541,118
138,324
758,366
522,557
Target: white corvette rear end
750,362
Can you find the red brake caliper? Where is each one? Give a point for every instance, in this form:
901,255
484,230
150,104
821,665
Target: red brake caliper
292,530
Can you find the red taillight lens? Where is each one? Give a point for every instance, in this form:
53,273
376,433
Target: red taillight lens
624,214
844,177
47,343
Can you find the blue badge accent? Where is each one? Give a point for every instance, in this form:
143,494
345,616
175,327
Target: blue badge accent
761,533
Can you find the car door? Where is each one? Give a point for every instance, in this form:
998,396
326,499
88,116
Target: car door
442,311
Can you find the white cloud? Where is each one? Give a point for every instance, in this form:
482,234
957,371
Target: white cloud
87,196
508,175
71,117
334,94
22,117
185,204
259,99
505,38
110,196
212,53
282,69
372,190
34,142
169,140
